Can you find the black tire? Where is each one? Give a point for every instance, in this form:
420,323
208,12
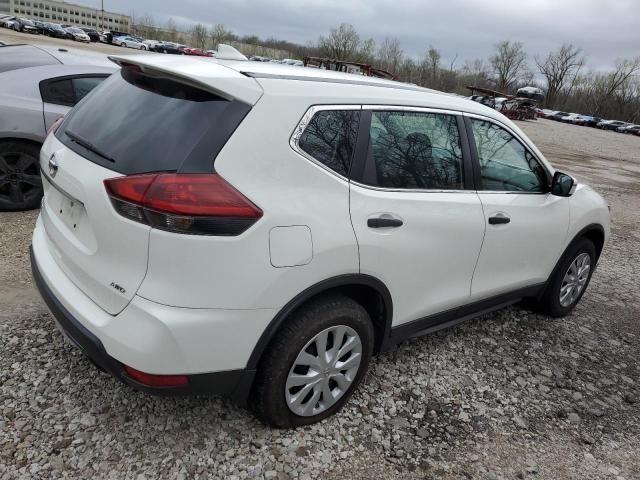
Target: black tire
268,395
20,182
549,303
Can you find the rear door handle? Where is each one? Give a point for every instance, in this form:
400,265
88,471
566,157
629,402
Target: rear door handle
382,222
499,219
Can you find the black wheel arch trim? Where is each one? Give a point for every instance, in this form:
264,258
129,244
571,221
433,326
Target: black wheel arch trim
346,280
592,227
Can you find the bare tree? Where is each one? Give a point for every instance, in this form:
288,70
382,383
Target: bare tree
561,70
342,43
509,63
171,34
145,27
199,36
366,52
390,55
219,34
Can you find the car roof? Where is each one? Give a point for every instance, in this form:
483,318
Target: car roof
24,56
20,56
320,83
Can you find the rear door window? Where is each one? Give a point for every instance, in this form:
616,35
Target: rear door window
58,92
83,85
330,138
68,90
414,150
134,123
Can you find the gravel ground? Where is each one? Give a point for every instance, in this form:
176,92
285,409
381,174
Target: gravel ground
509,395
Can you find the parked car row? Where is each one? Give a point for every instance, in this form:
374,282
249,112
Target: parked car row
37,27
591,121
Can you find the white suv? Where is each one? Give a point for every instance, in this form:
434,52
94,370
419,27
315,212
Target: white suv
260,230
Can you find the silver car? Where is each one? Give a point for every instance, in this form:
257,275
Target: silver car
39,85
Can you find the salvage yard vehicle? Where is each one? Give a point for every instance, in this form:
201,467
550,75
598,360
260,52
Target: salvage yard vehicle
587,120
78,34
39,85
280,225
25,25
130,42
168,47
612,124
630,128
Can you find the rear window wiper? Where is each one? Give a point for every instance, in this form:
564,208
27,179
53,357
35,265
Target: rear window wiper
83,142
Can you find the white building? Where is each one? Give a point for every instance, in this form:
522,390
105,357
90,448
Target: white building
67,13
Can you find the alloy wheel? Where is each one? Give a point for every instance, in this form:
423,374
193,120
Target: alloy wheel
575,279
19,177
323,371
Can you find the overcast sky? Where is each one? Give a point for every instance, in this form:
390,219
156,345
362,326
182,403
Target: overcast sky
604,29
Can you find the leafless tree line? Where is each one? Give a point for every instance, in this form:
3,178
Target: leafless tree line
562,73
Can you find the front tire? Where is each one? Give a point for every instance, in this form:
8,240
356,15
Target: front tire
570,279
315,362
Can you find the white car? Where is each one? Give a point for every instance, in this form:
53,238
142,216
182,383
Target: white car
571,118
277,226
130,42
78,35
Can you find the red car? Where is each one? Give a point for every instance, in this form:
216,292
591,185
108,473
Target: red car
195,51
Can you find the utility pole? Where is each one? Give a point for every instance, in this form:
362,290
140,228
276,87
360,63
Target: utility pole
102,9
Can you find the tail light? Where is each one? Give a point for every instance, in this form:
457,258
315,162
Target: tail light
197,204
56,124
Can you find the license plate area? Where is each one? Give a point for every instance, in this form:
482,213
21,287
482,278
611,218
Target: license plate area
70,211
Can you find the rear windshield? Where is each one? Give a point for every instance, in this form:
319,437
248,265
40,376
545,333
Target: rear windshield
14,57
134,123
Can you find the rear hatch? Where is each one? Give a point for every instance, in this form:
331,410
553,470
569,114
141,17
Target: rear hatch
142,119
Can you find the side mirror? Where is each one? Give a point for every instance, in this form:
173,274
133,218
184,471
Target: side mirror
563,185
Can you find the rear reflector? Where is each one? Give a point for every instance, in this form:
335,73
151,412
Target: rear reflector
200,204
151,380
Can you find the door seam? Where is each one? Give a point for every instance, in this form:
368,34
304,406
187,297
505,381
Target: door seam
484,234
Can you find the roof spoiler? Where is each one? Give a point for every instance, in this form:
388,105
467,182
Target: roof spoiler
197,72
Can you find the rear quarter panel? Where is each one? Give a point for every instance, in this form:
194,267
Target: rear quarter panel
21,117
237,272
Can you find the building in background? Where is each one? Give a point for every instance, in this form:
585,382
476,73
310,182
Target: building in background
63,12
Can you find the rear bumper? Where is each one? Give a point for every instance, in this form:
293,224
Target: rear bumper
235,384
210,346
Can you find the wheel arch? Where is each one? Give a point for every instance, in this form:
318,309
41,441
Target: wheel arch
594,232
21,137
368,291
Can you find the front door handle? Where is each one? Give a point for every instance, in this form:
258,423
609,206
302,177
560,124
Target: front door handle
499,219
382,222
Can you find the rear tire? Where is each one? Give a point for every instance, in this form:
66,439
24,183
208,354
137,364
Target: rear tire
20,182
295,384
570,279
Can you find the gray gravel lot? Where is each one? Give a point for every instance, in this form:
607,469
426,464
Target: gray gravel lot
509,395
